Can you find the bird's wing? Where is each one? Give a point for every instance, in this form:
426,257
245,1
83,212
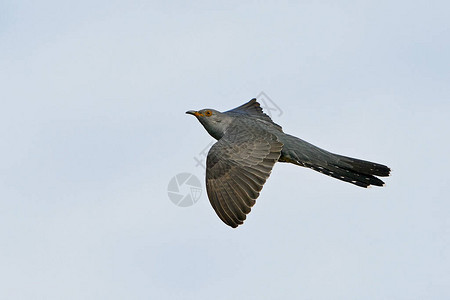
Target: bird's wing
237,167
254,109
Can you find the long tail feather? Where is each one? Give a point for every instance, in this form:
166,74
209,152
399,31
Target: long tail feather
356,171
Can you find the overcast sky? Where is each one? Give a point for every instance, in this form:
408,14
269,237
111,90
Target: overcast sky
93,129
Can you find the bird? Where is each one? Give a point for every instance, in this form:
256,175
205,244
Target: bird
248,145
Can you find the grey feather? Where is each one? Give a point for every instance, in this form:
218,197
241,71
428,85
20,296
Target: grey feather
249,144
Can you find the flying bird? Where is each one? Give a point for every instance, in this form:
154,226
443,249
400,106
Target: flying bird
249,143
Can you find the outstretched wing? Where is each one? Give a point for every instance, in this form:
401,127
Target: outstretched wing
237,167
253,108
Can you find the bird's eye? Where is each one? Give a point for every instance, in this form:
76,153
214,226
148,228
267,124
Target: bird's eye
208,113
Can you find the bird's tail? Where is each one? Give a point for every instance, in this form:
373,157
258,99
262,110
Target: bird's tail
356,171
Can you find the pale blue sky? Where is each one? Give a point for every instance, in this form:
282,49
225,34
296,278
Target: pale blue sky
93,129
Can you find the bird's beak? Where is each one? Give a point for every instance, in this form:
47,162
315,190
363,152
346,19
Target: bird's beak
194,113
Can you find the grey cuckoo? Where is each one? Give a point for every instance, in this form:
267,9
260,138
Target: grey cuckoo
248,144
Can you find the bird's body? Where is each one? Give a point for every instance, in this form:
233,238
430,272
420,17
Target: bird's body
249,144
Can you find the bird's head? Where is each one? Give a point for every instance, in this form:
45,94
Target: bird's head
215,122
